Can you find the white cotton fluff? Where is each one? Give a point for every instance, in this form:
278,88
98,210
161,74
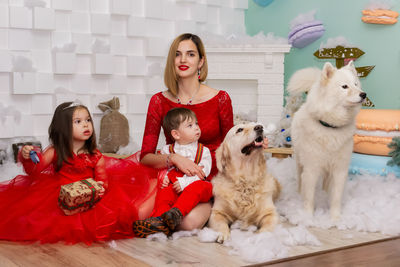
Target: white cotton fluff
100,46
112,244
302,18
131,148
239,39
157,237
9,169
333,42
66,48
22,64
379,4
370,202
34,3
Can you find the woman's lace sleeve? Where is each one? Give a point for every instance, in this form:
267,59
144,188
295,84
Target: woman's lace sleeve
153,127
225,113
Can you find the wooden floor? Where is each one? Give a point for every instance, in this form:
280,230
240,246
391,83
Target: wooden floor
376,253
189,251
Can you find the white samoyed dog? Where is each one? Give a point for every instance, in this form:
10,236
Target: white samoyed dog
323,128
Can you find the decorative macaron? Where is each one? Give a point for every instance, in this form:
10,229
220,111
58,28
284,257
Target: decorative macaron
379,16
305,33
375,130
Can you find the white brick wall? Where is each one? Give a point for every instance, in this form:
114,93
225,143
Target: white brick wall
138,33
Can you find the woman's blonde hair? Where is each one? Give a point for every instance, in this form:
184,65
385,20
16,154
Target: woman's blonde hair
170,76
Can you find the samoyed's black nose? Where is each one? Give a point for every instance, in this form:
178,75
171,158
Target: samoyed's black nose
363,95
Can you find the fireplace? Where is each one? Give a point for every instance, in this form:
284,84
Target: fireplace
253,77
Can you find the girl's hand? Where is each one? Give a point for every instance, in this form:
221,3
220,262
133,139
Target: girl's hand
177,187
165,182
102,190
265,143
187,166
25,151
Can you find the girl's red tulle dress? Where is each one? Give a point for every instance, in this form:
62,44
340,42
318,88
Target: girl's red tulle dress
29,203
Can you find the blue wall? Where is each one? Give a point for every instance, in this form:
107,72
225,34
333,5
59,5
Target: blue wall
381,43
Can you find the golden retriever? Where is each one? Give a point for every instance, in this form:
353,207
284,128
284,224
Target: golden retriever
242,189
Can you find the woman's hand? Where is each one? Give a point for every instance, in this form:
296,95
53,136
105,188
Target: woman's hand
25,151
187,166
265,143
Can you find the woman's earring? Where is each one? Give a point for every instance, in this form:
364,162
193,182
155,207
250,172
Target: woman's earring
198,73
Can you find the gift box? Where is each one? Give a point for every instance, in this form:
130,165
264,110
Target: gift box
79,196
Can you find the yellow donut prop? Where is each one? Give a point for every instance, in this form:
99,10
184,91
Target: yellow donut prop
375,130
379,16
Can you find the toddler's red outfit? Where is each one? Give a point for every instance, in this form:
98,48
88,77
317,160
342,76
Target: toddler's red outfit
194,189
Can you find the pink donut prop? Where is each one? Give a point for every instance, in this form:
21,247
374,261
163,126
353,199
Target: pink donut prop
375,130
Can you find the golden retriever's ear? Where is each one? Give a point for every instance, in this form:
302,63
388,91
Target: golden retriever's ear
223,156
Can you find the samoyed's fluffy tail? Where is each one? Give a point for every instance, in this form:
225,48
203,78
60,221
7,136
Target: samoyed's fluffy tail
302,80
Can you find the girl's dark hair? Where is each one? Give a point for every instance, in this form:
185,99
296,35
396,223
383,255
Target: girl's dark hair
175,117
60,133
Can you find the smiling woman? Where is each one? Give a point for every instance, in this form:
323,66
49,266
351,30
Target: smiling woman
186,69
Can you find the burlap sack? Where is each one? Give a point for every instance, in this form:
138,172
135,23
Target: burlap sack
114,127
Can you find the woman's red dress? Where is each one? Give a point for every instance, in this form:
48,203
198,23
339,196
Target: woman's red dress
215,118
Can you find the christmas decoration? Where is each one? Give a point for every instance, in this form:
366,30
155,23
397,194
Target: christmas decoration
282,134
395,152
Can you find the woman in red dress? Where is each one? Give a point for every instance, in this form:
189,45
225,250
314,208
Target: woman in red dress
185,71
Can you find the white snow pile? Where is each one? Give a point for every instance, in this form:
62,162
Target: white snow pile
249,245
100,46
379,4
239,39
302,18
22,64
333,42
370,203
34,3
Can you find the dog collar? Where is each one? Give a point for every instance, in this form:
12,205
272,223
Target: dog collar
327,124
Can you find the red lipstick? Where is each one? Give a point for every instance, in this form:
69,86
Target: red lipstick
183,67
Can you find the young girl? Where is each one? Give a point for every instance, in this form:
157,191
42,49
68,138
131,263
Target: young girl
29,203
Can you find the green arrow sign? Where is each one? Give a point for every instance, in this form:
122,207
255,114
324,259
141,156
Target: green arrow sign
339,52
368,103
364,71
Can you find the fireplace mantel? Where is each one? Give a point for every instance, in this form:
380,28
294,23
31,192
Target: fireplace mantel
264,65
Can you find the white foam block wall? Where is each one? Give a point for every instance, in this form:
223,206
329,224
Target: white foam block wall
132,39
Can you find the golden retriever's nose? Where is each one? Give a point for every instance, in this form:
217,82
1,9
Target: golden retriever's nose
363,95
258,128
